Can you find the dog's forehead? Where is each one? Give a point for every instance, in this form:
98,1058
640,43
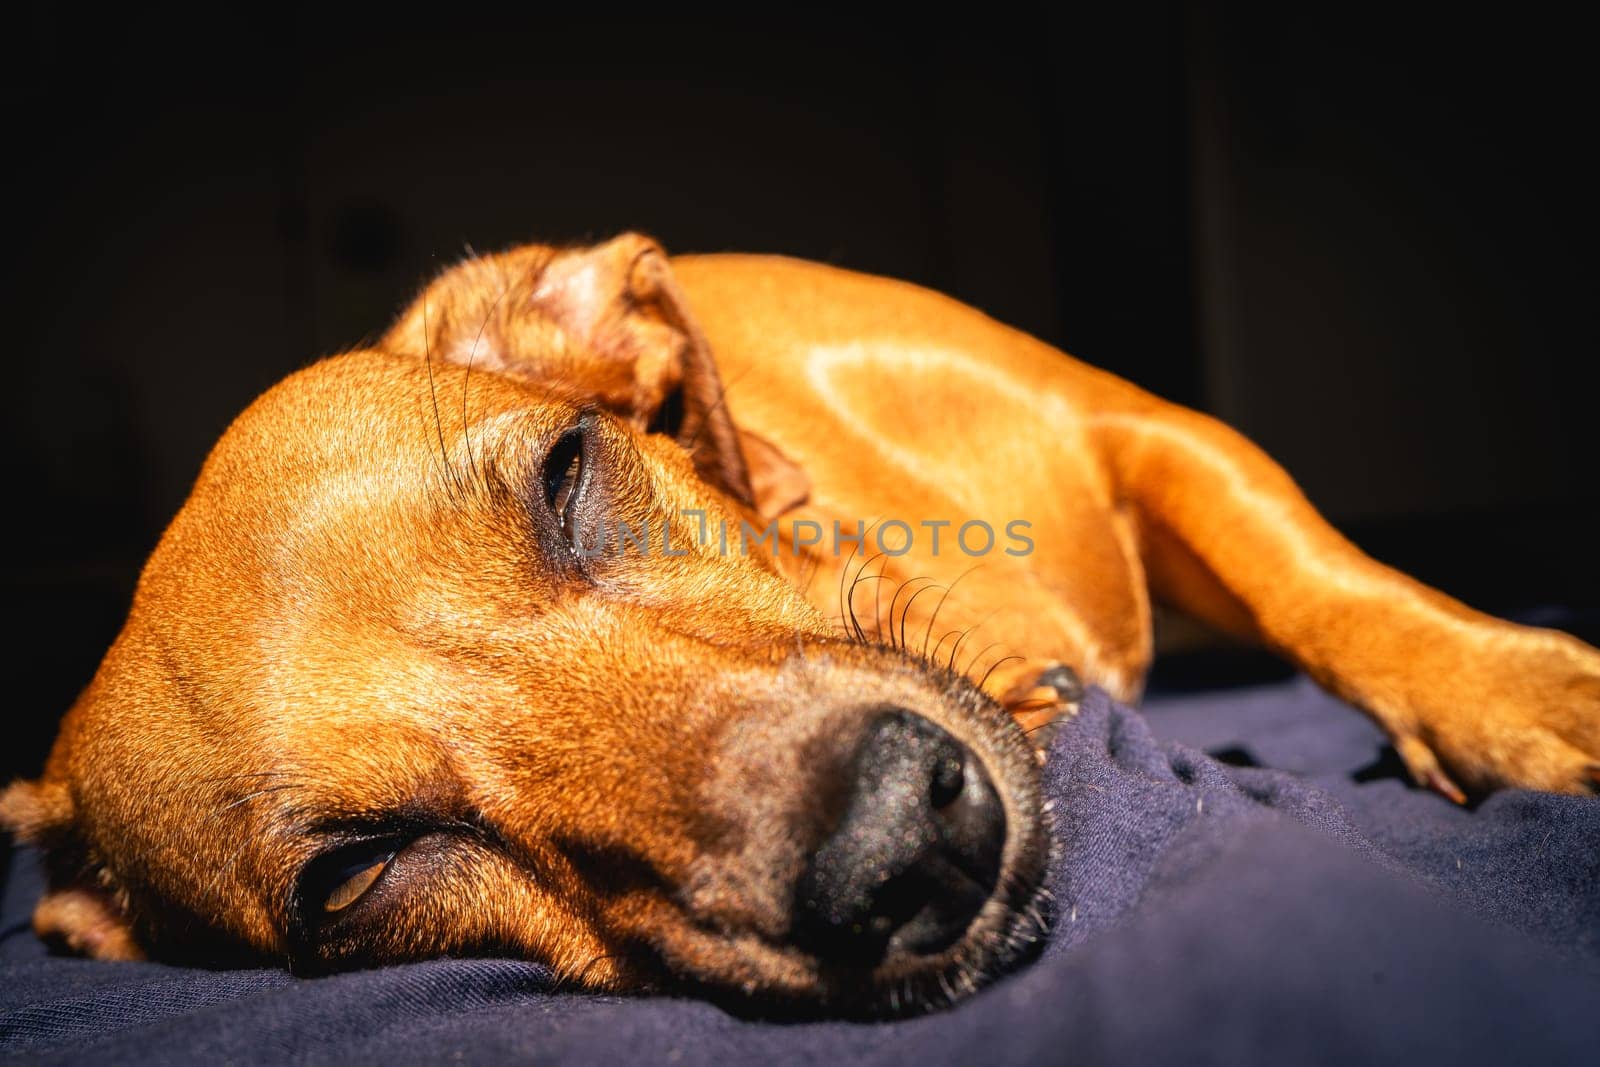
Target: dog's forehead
336,480
376,523
382,417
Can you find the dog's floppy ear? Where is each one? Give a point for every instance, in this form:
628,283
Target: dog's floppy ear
619,295
605,323
76,912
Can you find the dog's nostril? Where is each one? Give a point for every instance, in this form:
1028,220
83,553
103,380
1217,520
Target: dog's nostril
948,778
915,855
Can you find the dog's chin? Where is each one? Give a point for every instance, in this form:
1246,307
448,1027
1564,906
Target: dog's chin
753,976
1001,938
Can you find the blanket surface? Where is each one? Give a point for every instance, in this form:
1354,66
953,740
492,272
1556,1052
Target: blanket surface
1285,899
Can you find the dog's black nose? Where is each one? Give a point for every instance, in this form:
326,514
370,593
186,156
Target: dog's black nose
915,854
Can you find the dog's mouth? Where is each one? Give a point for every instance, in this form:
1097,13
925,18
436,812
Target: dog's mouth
970,933
939,956
926,885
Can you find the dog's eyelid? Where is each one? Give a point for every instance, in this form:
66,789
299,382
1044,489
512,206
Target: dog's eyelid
337,878
357,880
566,480
562,470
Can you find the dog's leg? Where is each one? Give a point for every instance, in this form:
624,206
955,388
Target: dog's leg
1226,535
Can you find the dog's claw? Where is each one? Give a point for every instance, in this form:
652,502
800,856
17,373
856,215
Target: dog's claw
1425,769
1440,784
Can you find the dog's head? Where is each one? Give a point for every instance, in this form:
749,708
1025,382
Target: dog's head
445,655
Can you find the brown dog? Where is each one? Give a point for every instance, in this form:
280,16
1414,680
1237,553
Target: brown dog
397,683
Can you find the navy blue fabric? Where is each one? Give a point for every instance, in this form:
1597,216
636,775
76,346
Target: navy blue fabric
1320,911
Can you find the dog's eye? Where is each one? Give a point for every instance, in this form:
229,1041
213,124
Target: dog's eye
563,476
350,890
335,880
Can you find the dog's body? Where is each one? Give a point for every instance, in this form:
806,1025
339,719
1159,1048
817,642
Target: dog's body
1128,496
377,699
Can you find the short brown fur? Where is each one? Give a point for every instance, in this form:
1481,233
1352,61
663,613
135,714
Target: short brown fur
357,620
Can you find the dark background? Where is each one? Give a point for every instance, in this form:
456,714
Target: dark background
1364,242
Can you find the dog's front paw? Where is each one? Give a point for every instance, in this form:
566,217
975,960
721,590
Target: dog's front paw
1525,715
1042,698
